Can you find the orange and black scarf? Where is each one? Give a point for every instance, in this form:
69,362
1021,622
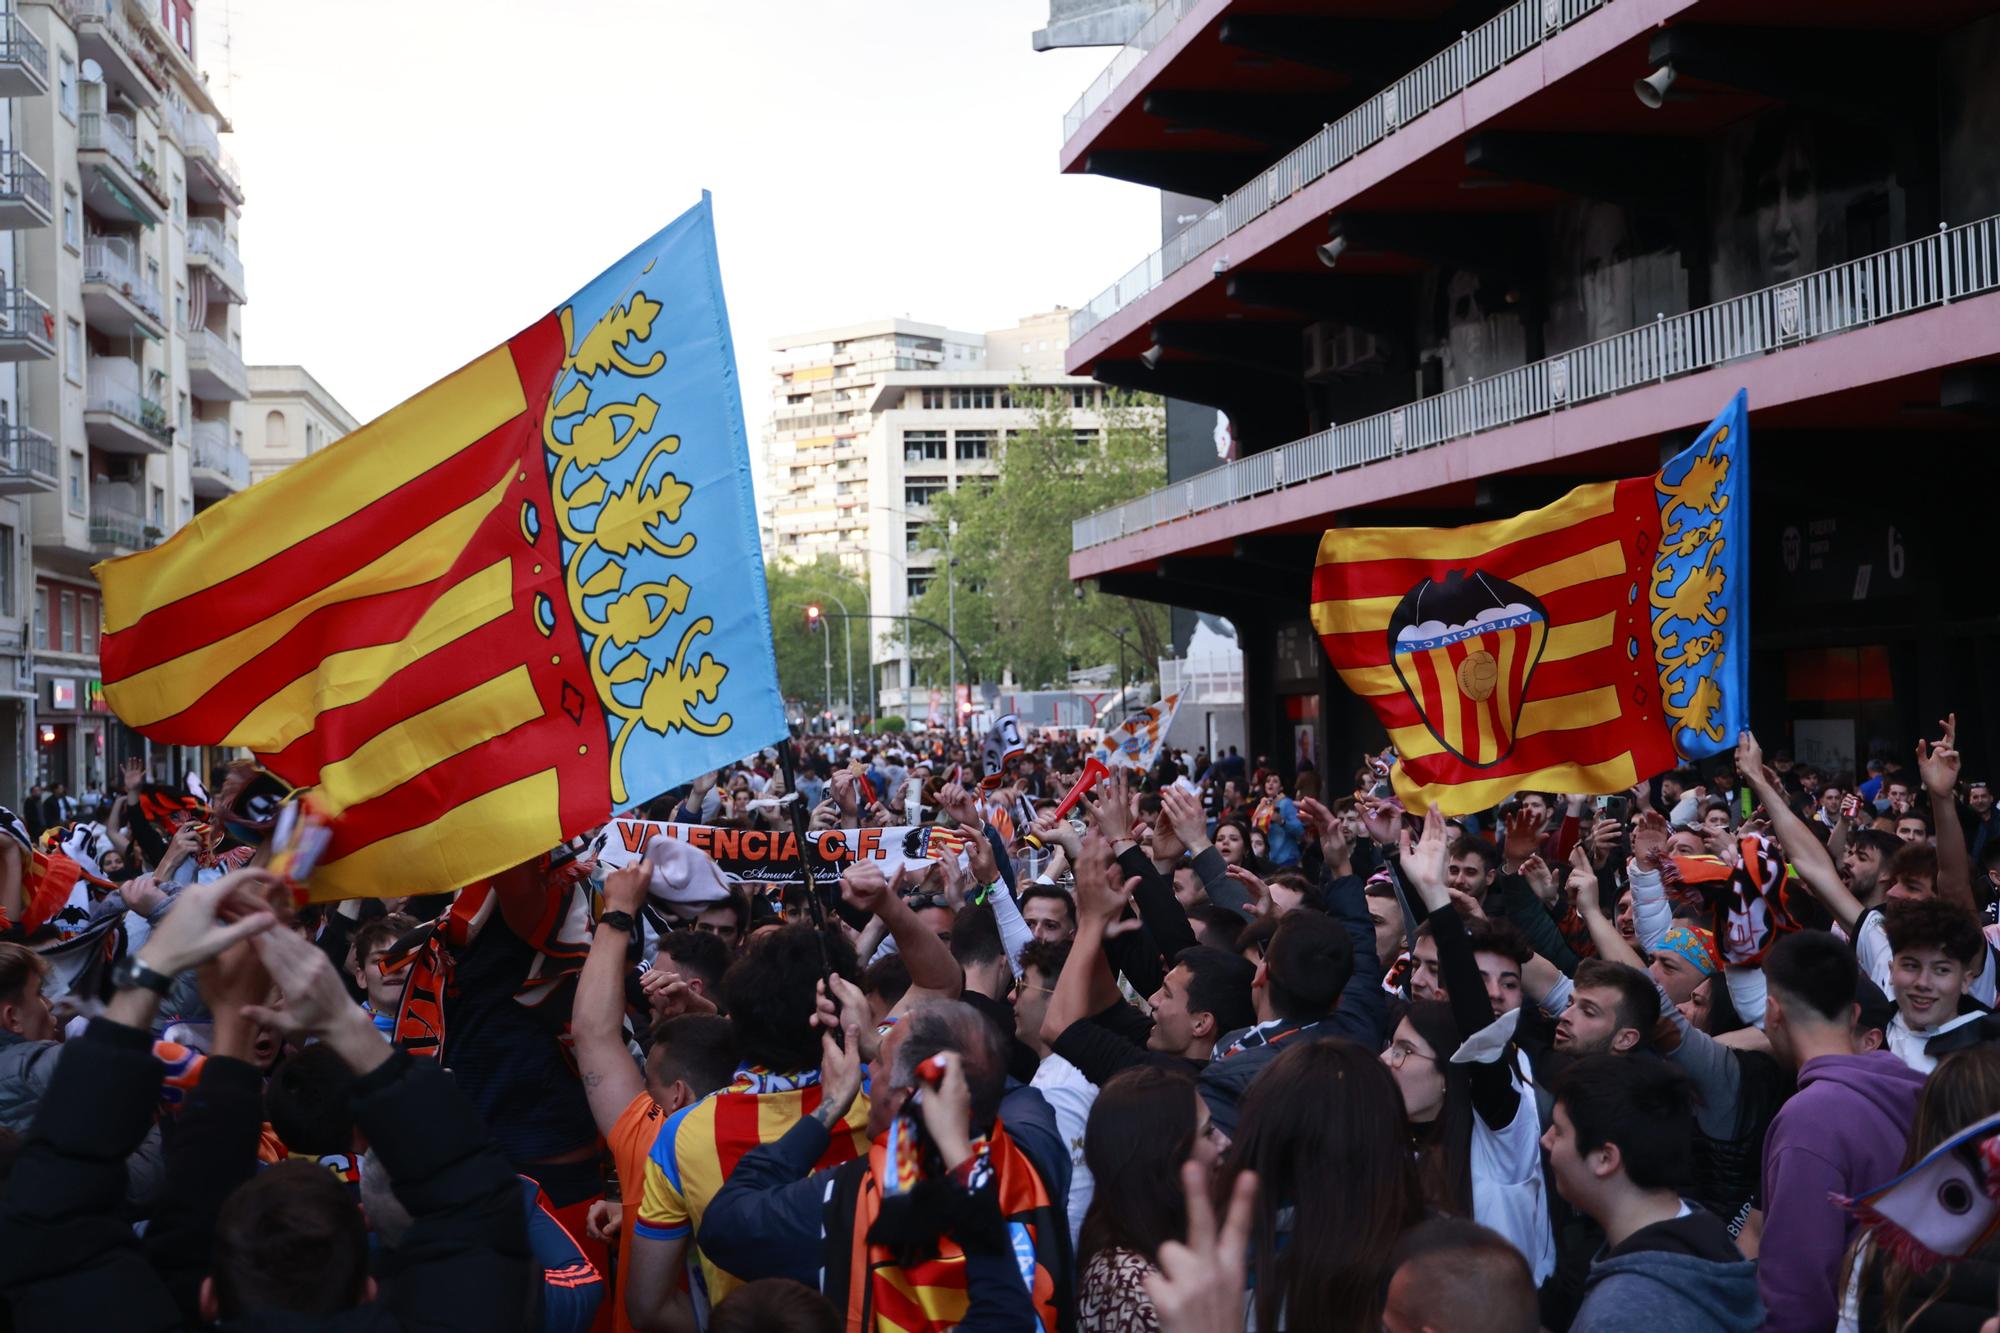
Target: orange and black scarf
882,1295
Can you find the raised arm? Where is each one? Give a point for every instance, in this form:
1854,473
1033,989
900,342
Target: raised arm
1810,859
610,1079
932,968
1082,988
1939,766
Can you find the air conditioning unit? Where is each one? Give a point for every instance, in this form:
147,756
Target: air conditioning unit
1333,350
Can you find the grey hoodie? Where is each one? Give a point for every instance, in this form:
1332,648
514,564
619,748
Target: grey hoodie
1683,1276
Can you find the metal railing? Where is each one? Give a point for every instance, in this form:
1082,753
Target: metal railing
1150,34
27,452
20,46
20,178
111,13
108,132
201,144
128,405
211,349
205,238
1513,32
214,451
25,318
113,527
106,261
1947,266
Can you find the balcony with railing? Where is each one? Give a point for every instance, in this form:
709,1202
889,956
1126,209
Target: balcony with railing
115,529
219,468
24,60
215,369
24,193
119,419
215,178
106,35
27,328
118,185
118,300
27,461
208,249
1517,30
1938,270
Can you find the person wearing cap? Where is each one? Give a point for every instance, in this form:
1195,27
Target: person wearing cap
1684,958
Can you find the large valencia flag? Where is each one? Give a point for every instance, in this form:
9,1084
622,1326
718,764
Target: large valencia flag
528,596
1578,648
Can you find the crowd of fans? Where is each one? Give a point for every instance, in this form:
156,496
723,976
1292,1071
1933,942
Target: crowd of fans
1214,1051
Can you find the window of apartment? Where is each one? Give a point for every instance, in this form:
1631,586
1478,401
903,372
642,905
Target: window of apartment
973,445
1086,439
918,494
187,510
42,616
180,305
923,446
185,414
73,351
1006,398
972,397
86,629
918,584
76,482
72,232
66,622
153,273
913,536
159,506
66,87
933,399
179,199
7,570
1082,396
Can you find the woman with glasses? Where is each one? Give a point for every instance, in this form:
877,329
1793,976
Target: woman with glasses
1146,1122
1474,1125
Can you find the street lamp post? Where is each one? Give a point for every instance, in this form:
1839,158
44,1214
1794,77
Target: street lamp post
847,639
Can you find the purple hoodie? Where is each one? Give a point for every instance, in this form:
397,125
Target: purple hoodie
1843,1133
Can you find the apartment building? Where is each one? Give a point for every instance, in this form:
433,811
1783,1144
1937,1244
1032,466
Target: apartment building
1441,262
123,305
290,415
869,423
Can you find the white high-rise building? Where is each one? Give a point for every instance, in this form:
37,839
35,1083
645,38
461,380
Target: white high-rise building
869,422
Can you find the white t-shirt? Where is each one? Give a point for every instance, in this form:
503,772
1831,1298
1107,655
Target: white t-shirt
1070,1095
1508,1193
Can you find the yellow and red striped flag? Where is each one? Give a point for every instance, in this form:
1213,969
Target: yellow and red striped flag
486,619
1577,648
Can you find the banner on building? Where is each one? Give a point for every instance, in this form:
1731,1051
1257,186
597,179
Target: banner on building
768,860
1577,648
506,608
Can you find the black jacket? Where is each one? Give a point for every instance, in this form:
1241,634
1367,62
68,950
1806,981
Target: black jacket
67,1261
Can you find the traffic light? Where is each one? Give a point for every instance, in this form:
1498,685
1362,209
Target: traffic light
813,614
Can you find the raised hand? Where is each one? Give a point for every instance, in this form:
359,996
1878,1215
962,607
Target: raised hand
1334,844
1058,833
1939,763
1110,805
316,1003
1540,878
863,885
1423,863
1582,884
1649,840
670,996
960,804
625,888
947,1111
208,918
1259,891
1100,894
1199,1288
979,858
1603,839
1380,816
1524,837
839,1059
604,1221
1182,809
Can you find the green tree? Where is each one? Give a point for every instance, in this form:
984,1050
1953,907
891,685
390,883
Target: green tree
802,648
1010,544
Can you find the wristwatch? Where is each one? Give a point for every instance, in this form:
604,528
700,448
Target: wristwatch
130,972
619,921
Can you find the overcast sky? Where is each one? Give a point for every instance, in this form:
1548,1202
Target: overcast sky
427,177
